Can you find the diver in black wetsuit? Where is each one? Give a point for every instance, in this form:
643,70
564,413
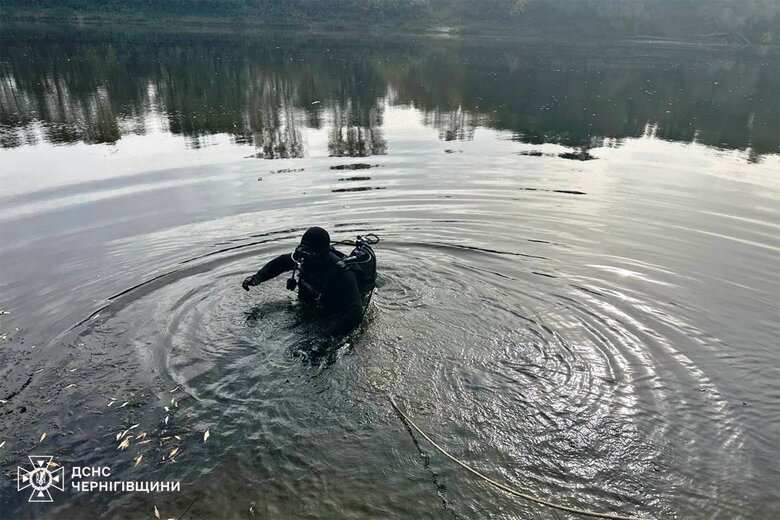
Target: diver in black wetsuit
325,282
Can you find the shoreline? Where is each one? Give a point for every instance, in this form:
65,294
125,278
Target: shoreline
250,25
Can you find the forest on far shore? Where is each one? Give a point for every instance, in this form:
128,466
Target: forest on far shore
721,21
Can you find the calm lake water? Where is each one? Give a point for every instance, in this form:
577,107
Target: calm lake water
579,281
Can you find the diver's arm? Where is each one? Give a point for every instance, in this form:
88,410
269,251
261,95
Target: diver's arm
270,270
346,297
346,321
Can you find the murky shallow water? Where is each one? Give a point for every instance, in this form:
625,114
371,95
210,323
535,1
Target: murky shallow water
602,332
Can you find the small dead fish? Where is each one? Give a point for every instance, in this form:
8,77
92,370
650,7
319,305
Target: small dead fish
112,402
4,312
156,512
133,427
70,386
124,404
173,453
173,400
166,409
177,437
138,460
72,369
252,510
166,419
2,444
172,391
206,436
42,438
124,444
3,401
147,441
176,404
141,436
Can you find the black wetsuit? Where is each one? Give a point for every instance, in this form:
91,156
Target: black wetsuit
324,284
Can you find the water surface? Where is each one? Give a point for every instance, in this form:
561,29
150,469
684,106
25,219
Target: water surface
578,289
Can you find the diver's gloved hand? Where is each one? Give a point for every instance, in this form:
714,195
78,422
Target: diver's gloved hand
247,283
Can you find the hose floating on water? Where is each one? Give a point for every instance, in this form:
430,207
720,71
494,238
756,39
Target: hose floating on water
503,487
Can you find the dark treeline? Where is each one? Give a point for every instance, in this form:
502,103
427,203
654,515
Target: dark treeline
263,90
742,21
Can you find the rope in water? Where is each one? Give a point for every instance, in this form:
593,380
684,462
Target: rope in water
502,486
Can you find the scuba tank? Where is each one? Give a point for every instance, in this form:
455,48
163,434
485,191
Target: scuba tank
362,262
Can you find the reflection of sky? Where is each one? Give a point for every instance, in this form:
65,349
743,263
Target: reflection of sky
30,168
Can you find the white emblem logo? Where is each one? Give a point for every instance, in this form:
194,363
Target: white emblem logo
40,478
